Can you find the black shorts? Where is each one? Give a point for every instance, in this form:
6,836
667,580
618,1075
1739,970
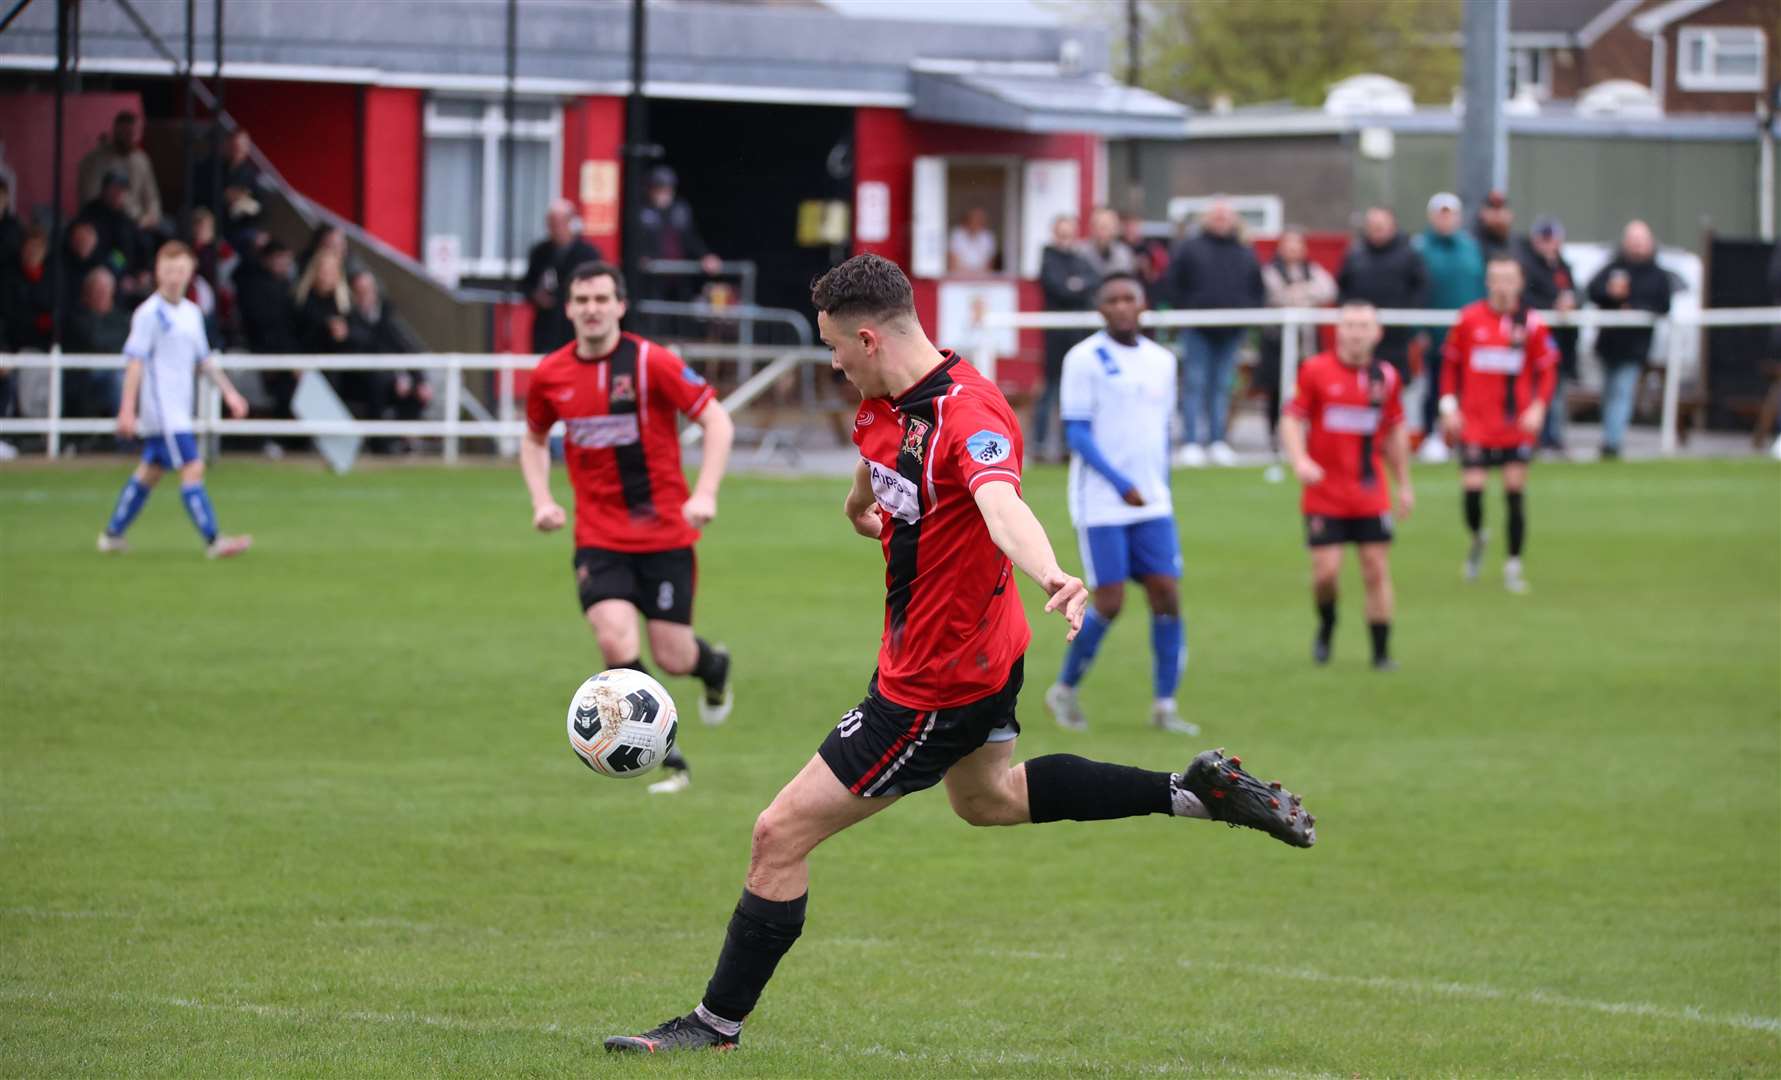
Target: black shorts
881,748
1322,530
660,583
1473,456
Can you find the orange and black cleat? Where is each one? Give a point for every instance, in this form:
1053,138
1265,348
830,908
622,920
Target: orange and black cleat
1236,798
680,1033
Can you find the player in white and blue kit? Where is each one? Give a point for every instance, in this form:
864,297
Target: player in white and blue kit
166,348
1118,399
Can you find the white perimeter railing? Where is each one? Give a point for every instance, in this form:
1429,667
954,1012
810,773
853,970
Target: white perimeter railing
451,427
1294,318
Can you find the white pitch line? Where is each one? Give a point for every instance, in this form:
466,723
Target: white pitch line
285,1012
1476,991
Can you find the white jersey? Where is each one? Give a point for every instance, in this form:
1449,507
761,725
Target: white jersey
170,341
1127,394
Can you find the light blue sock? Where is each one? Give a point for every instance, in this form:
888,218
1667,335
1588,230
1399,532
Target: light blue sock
129,503
198,508
1082,651
1168,647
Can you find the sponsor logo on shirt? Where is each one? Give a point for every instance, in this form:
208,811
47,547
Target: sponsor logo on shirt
1351,419
863,420
988,447
913,436
896,493
1497,360
600,432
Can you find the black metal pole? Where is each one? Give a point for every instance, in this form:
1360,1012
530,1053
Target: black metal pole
13,14
191,173
636,149
511,108
1134,193
216,123
58,242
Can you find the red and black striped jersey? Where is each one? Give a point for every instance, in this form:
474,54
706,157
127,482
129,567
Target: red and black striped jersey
622,442
953,624
1347,412
1497,364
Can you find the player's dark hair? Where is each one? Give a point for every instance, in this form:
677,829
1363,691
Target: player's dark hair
865,285
1120,275
596,268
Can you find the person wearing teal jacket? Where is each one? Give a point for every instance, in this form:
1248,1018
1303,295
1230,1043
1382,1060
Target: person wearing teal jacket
1455,278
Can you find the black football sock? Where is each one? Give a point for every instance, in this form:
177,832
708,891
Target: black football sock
1381,632
1326,619
1517,523
634,665
712,667
676,761
1474,511
761,931
1064,787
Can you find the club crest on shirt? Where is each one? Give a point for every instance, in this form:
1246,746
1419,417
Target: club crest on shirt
623,388
914,435
988,447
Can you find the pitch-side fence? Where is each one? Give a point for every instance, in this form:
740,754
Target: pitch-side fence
452,427
446,368
1291,319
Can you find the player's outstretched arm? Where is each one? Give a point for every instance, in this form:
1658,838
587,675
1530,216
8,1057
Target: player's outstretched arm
1014,529
1292,440
213,370
534,465
126,413
1397,462
861,506
720,434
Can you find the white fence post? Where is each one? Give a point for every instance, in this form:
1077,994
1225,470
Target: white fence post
53,444
1672,388
209,411
454,402
508,446
1289,356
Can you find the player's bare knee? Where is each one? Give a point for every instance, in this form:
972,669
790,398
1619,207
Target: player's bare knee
774,843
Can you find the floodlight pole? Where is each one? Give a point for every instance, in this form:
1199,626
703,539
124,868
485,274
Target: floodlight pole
190,173
58,243
510,107
637,151
1483,139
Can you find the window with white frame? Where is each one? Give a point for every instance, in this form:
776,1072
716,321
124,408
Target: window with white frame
467,196
1531,70
1721,58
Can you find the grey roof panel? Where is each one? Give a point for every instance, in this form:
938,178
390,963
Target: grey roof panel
1046,103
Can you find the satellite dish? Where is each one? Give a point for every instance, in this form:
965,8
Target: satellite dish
1369,95
1621,98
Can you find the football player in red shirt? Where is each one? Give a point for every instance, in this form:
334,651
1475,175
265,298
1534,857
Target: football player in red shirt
938,487
619,396
1342,431
1499,370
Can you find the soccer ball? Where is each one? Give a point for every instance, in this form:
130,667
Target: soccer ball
622,723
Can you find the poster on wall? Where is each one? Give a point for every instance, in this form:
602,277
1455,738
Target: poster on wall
963,305
1048,189
872,212
444,261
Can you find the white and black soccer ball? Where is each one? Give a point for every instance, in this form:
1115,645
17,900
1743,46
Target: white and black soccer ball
622,723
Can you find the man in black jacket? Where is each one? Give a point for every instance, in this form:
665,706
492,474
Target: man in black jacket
1382,269
1551,287
1214,270
1631,282
269,317
548,267
1068,281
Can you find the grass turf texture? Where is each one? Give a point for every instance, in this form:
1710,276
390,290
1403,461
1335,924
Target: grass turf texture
313,811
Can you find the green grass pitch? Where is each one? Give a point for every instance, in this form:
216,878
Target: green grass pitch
313,812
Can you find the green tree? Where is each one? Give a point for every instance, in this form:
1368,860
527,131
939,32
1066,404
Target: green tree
1272,50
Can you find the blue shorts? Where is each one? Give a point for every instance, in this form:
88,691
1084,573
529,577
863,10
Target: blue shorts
170,451
1113,553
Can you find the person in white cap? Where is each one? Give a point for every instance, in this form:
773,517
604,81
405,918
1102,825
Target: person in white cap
1455,278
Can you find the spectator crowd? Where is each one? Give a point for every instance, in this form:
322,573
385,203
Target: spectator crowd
254,292
1215,267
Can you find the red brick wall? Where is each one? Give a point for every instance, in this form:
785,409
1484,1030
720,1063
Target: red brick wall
1763,14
